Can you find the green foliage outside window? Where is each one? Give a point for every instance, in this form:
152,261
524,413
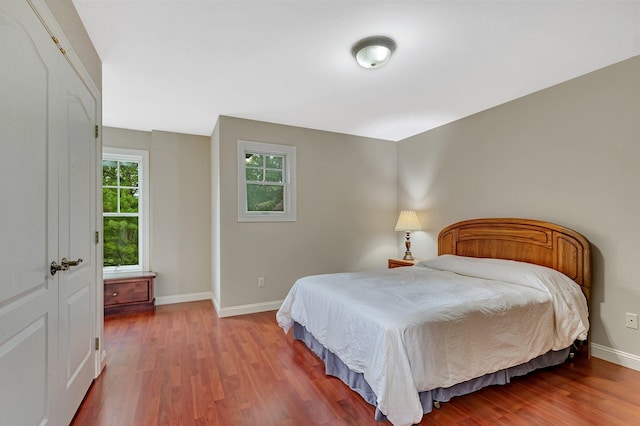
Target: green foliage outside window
121,215
109,173
120,241
265,198
265,179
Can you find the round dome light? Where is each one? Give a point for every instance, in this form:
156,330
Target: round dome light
373,52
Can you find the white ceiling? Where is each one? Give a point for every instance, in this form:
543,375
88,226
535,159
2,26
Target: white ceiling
178,65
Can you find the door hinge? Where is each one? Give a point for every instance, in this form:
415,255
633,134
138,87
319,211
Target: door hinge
57,42
97,343
97,134
97,237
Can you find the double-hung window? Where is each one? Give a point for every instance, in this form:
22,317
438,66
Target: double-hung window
125,209
266,182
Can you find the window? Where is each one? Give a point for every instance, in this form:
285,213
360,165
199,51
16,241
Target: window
266,182
125,206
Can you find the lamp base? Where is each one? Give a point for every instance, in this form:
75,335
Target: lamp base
408,256
407,244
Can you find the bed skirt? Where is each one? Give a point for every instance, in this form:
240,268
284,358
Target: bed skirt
335,367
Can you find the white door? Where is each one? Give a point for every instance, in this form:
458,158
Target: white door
77,217
46,203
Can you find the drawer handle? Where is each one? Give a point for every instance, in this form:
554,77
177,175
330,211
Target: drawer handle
115,294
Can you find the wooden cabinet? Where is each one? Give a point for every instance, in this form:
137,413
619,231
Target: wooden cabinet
398,263
132,292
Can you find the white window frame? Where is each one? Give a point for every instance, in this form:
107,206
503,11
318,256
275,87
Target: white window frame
289,154
142,157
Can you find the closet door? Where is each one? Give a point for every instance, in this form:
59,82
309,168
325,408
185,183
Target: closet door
47,212
28,220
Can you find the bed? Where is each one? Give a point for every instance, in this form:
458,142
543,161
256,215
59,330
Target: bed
504,297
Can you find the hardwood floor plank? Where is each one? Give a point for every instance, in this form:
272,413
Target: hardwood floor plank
182,365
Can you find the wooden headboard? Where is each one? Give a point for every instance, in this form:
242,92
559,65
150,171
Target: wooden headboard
524,240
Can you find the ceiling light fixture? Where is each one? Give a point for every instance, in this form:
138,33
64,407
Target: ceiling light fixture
373,52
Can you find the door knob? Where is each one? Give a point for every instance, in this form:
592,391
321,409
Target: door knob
55,268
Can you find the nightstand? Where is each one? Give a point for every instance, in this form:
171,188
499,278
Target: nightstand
398,263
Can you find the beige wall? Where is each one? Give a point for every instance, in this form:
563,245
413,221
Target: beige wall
67,17
124,138
570,155
346,211
180,224
346,201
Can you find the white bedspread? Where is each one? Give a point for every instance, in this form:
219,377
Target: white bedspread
419,328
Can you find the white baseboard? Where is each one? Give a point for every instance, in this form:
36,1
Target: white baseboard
222,312
615,356
248,309
216,305
182,298
103,362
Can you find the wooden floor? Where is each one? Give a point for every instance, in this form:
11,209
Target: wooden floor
182,365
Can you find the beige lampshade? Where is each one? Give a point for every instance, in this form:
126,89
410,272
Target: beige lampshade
408,221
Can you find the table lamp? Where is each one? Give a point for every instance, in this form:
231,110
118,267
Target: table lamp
407,222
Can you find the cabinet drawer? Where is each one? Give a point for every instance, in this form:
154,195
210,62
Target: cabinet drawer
126,292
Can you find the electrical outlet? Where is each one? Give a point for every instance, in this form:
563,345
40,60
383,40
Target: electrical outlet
632,321
261,282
